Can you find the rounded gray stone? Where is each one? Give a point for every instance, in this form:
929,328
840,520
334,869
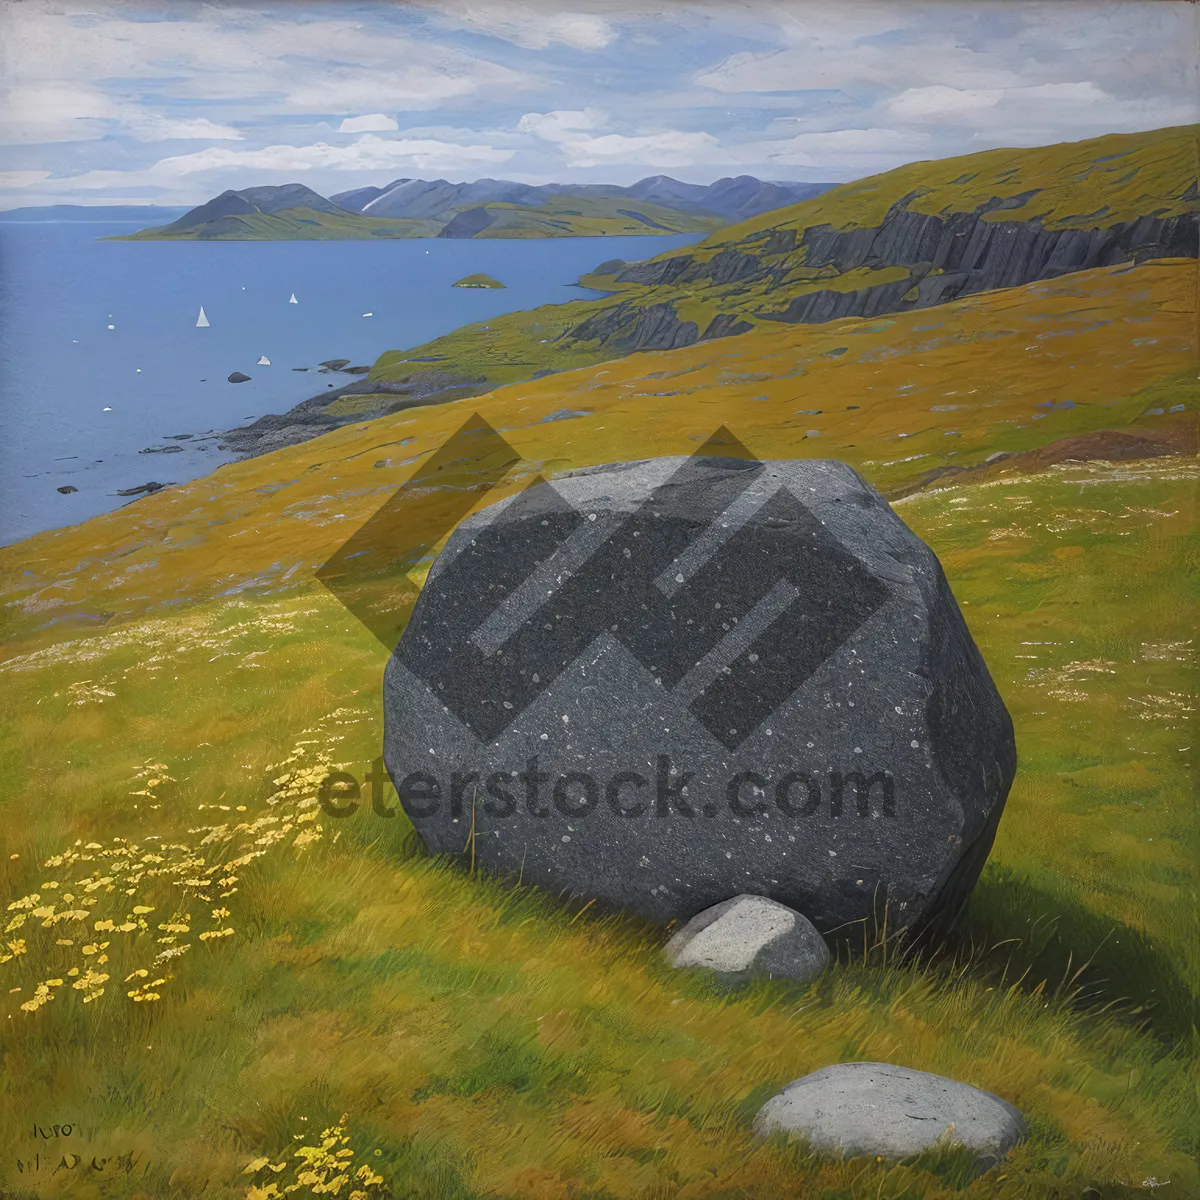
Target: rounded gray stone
894,1112
750,936
664,683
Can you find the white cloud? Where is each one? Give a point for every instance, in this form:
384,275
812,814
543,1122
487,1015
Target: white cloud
21,179
563,124
864,86
371,123
885,46
369,153
671,148
1041,113
415,86
843,64
54,112
858,141
154,127
532,28
275,59
73,112
955,104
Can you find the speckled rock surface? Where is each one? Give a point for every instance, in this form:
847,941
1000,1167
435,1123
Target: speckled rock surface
665,684
879,1109
750,936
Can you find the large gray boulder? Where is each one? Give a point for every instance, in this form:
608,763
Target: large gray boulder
750,936
893,1112
667,683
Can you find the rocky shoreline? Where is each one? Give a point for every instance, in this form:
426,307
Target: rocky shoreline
361,400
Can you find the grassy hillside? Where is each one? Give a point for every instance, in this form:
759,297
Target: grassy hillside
889,359
1086,184
287,968
575,216
761,271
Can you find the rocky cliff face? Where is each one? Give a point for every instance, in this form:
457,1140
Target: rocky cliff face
956,255
947,257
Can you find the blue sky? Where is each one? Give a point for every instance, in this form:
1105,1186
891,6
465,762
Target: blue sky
143,102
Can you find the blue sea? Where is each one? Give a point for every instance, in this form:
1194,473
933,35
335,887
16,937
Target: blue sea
100,356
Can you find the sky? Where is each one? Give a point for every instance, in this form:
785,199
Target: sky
174,101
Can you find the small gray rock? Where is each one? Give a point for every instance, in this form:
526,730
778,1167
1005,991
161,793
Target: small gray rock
143,490
750,936
238,377
68,489
880,1109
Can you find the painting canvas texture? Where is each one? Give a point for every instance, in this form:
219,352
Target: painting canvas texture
598,601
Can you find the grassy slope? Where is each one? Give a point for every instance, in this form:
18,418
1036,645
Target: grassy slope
591,217
485,1042
1089,184
563,216
1080,185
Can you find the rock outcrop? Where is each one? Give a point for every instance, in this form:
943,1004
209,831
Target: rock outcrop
630,327
313,417
961,254
668,683
947,257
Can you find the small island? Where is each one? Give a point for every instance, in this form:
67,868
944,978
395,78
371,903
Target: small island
478,281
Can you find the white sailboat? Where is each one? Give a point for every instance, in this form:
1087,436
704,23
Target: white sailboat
263,361
202,320
293,299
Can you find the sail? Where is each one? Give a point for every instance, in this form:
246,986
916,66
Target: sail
264,361
202,320
293,299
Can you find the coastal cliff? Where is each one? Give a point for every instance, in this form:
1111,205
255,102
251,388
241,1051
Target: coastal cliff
943,258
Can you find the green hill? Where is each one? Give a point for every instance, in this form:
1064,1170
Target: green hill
288,225
575,216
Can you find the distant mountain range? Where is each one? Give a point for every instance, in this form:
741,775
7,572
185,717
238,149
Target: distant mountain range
732,199
487,208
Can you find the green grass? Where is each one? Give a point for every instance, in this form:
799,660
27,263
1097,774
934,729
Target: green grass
174,678
488,1041
1081,587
